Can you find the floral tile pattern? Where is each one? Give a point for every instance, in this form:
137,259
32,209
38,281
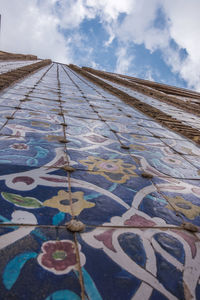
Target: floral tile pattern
141,260
28,253
70,152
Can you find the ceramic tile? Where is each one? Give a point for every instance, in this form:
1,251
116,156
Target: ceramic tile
92,144
39,107
38,116
183,197
10,102
15,91
129,138
134,263
183,147
133,128
26,194
158,158
7,66
43,127
165,133
131,111
162,164
76,121
6,111
32,150
86,114
44,95
39,101
159,209
27,272
114,195
87,127
2,121
194,160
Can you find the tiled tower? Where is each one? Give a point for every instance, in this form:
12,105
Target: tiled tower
99,185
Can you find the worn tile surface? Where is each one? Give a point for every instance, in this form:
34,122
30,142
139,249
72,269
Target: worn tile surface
134,184
6,66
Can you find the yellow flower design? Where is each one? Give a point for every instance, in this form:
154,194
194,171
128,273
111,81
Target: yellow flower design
139,137
62,202
137,147
51,137
40,124
114,170
185,207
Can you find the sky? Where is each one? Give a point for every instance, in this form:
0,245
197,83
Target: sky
152,39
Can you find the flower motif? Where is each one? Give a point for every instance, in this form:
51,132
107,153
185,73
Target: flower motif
19,146
69,204
185,207
114,170
59,257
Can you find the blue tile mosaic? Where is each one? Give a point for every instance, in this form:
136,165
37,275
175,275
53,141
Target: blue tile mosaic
33,257
71,152
136,259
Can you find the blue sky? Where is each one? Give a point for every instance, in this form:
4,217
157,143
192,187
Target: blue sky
143,62
152,39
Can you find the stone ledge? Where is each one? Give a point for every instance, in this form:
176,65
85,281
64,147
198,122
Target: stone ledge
14,56
152,92
156,114
10,77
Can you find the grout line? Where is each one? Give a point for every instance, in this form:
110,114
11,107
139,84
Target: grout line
141,88
65,146
92,226
98,114
169,202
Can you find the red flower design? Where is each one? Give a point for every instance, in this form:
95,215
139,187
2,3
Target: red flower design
59,257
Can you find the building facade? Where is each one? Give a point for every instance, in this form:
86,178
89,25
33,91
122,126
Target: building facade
99,185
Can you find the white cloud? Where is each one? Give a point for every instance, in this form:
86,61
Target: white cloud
109,10
35,27
185,30
72,12
30,28
182,25
138,26
149,74
123,61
